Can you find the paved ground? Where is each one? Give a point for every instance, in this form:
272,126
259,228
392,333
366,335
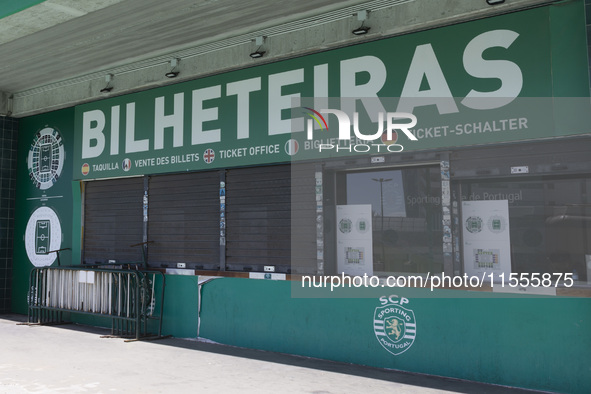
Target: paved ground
74,359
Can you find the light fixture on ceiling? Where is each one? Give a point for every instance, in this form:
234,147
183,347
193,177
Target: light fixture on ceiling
108,87
259,43
362,17
494,2
174,70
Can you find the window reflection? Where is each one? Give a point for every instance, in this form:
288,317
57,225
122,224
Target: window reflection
406,216
550,222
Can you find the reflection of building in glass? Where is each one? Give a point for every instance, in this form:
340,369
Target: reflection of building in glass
407,237
549,222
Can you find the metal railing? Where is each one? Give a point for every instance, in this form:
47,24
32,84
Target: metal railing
132,299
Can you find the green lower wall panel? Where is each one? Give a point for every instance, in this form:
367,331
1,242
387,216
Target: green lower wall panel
537,343
181,306
89,320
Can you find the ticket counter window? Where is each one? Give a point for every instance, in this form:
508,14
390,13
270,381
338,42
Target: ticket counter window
549,222
405,213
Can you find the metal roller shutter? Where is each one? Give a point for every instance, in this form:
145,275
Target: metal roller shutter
259,218
183,220
113,220
304,233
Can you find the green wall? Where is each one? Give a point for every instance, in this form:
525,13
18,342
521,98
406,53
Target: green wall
537,343
541,53
540,343
9,7
59,197
181,305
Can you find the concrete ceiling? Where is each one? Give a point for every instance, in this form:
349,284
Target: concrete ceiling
58,53
58,40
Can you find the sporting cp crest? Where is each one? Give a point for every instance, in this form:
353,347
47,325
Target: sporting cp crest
395,327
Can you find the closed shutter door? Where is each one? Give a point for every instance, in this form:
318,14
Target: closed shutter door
113,220
305,219
184,220
258,215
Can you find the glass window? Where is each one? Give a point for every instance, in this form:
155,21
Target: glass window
549,222
406,216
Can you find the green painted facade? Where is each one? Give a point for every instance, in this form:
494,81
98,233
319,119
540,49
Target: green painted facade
530,59
9,7
538,343
181,305
60,198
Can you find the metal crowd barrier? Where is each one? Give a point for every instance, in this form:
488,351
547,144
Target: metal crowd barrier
132,299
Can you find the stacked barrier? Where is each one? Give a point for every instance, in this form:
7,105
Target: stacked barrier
130,298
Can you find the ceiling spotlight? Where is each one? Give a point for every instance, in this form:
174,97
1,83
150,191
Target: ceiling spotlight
259,43
174,71
108,87
257,54
493,2
361,30
361,17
